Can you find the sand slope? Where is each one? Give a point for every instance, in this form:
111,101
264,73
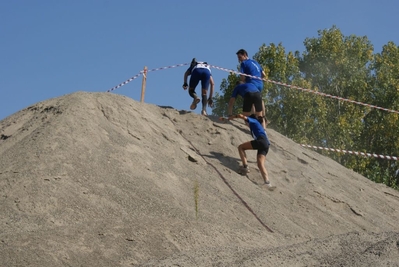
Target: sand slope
99,179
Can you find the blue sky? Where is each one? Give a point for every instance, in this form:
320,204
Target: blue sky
52,48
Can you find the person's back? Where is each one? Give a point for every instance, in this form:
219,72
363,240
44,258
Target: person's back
251,67
198,65
257,128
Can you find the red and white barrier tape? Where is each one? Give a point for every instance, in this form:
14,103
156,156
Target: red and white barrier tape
169,67
308,90
142,72
353,152
286,85
266,80
125,82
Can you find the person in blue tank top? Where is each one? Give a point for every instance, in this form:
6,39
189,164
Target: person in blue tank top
261,143
199,71
251,67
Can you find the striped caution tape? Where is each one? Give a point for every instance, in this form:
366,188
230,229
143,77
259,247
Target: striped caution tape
308,90
126,82
353,152
266,80
143,72
169,67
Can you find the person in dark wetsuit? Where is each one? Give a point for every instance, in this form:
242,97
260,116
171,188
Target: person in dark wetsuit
199,71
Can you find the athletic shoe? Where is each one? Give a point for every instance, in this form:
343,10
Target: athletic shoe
194,104
203,112
269,186
243,170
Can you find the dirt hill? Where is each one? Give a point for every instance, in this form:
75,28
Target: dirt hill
99,179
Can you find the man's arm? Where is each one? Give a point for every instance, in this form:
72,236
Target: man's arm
242,77
186,74
238,116
212,87
210,101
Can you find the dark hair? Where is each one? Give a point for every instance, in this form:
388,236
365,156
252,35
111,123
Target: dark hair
193,62
242,52
259,118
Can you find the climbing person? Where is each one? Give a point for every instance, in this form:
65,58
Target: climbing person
251,97
261,143
199,71
253,68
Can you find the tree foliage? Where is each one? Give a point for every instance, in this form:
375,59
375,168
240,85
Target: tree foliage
221,100
338,65
381,134
341,66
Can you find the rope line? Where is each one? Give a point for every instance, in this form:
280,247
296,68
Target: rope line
169,67
255,77
286,85
126,82
143,73
353,152
308,90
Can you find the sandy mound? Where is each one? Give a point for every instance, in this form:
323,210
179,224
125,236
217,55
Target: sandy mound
98,179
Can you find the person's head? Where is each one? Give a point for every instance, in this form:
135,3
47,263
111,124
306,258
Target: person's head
258,118
242,55
193,62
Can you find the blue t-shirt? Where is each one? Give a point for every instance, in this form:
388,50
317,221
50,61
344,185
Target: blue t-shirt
257,129
244,88
251,67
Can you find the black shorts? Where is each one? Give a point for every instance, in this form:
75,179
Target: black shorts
254,98
261,145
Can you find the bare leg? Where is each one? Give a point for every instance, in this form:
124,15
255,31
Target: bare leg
263,109
241,151
204,101
253,109
261,165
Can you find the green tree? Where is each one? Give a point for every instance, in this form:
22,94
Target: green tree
221,100
343,67
338,65
381,133
291,112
